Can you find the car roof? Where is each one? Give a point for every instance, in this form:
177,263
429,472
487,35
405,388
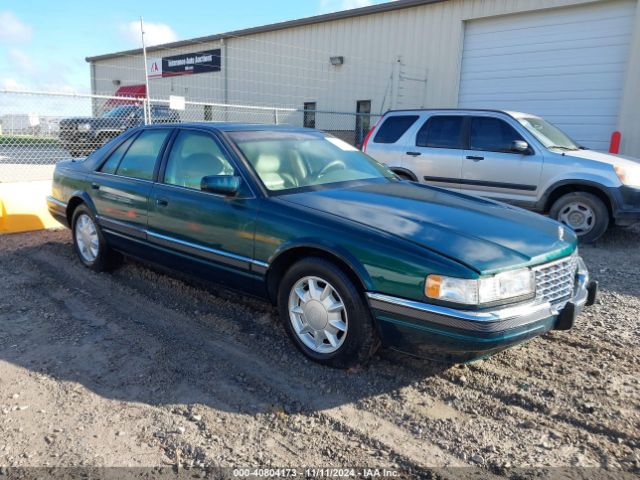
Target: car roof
232,127
480,110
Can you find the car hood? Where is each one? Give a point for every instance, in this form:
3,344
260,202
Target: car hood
609,158
484,235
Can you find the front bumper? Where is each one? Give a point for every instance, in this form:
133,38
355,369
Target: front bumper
459,335
626,201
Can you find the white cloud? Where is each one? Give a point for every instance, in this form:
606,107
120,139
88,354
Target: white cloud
337,5
21,61
154,33
12,84
12,29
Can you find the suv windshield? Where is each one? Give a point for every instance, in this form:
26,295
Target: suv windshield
549,135
122,111
288,160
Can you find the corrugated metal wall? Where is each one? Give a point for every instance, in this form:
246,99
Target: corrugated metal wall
407,58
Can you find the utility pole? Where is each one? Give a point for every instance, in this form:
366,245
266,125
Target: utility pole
146,104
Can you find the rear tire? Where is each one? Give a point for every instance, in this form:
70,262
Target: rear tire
89,242
583,212
325,315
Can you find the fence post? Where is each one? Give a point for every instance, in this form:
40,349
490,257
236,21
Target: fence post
275,116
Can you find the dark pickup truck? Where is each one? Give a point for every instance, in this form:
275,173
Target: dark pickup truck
82,135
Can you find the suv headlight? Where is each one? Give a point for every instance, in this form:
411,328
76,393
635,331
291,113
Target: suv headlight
84,127
628,176
503,286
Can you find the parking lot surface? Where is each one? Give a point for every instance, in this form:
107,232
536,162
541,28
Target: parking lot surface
140,368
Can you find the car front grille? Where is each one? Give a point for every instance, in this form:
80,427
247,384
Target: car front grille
555,280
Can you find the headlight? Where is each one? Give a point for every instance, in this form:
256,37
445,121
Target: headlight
84,127
503,286
628,176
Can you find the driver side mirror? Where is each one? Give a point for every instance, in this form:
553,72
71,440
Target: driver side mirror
520,146
227,185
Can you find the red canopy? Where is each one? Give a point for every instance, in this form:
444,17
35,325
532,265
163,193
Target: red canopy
128,91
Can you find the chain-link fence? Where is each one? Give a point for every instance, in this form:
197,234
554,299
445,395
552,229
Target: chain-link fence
38,129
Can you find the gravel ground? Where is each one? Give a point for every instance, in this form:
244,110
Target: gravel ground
141,369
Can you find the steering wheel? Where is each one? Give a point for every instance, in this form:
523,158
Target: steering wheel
334,165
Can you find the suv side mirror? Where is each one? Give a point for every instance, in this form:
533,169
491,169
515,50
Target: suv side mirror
520,146
227,185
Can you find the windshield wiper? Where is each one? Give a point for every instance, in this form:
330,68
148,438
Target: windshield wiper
563,148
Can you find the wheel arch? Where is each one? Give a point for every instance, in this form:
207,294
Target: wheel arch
564,187
404,171
291,254
76,199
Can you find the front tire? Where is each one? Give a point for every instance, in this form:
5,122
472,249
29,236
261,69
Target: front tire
89,242
325,315
583,212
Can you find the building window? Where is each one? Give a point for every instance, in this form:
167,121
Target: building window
363,120
309,119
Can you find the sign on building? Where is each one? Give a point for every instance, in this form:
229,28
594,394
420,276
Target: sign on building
184,64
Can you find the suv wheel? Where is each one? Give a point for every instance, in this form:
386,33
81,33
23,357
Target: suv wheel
325,315
585,213
89,243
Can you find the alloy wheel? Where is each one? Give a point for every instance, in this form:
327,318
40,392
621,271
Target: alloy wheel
87,238
318,315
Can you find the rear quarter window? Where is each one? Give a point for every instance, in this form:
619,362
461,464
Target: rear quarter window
393,128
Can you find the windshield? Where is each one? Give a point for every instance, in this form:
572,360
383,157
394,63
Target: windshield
288,160
122,111
549,135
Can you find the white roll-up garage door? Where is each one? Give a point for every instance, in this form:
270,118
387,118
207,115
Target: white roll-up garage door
566,65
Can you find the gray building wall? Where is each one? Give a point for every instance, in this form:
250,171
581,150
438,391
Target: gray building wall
403,58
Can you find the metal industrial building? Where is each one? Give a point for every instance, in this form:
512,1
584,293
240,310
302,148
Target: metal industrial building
575,62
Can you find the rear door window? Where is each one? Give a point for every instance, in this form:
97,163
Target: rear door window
394,127
140,159
492,135
112,162
442,131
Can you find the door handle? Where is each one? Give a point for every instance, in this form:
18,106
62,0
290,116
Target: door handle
95,186
474,158
162,202
414,154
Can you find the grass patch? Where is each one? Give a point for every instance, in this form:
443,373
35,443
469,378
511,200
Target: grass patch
28,140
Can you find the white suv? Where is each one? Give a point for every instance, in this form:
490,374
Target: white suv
512,157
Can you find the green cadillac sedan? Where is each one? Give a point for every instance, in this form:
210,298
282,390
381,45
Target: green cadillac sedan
352,256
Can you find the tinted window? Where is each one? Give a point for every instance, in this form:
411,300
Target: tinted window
491,134
195,155
441,132
140,159
393,128
112,162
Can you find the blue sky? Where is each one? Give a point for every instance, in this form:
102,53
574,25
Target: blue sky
43,43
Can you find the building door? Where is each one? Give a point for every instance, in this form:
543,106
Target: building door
363,121
566,65
309,118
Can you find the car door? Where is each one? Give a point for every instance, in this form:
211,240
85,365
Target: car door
207,227
492,167
435,155
120,188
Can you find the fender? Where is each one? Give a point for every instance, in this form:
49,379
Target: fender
598,183
331,249
79,195
405,171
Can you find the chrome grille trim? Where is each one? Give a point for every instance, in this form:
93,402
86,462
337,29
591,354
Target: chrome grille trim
555,281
